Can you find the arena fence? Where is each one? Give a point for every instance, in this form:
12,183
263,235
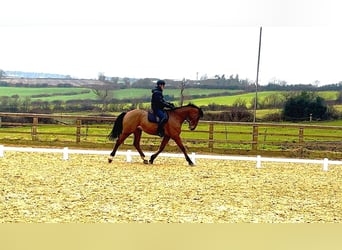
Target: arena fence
258,159
238,138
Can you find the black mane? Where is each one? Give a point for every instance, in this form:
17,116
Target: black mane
193,106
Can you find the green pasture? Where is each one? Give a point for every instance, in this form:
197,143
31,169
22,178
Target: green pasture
225,134
328,95
249,97
229,100
63,94
138,93
327,123
27,92
338,107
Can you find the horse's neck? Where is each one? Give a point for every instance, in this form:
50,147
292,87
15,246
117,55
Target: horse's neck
181,114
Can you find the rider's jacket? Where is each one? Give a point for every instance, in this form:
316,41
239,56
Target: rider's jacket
157,100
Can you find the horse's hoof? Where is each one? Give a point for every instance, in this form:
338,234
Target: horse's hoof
145,161
151,162
110,160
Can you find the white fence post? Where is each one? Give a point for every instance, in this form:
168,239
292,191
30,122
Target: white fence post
65,153
325,164
129,156
1,150
258,163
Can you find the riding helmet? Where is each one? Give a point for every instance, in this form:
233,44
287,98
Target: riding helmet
160,82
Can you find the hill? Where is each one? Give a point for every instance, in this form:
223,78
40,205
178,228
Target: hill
49,82
22,74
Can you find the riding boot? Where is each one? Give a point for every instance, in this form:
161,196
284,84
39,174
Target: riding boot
160,130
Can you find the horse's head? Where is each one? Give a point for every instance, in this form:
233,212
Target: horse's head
194,114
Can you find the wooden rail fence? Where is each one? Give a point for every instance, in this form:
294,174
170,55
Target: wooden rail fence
210,136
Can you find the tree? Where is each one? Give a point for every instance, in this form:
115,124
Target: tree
114,80
204,77
101,77
104,94
26,104
272,101
2,73
182,88
240,103
305,105
127,82
339,97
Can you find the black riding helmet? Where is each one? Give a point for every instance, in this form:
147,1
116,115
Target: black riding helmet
160,82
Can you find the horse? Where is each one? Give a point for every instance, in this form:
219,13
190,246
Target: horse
137,120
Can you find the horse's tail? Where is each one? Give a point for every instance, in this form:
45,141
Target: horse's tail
117,128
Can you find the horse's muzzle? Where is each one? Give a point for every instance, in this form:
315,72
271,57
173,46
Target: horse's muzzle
191,127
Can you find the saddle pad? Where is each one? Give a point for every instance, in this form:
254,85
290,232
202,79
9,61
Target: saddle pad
152,118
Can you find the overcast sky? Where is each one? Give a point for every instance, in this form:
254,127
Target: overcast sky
301,39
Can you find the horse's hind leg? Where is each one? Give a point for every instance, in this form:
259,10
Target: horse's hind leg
119,141
161,148
136,143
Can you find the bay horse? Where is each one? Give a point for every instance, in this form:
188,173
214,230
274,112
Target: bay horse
136,121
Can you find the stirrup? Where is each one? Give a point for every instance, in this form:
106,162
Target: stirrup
160,133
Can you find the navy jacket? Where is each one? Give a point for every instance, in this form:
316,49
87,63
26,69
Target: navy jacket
157,101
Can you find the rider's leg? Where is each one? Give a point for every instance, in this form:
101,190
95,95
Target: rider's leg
162,120
161,124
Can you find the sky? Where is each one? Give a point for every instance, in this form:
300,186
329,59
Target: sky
174,39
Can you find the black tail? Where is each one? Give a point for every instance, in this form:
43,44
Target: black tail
117,128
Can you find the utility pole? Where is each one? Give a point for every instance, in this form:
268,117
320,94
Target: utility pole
257,78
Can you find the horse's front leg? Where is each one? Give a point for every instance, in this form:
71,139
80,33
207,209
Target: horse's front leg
181,146
136,143
161,148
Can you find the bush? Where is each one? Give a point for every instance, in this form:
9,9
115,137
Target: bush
273,117
305,105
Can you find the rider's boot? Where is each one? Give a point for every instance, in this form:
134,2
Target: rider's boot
160,130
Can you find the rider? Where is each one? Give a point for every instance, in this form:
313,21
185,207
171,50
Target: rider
158,104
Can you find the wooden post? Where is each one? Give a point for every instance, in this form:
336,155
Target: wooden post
301,140
301,135
34,133
211,137
78,131
255,137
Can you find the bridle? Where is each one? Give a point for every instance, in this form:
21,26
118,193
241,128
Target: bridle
191,125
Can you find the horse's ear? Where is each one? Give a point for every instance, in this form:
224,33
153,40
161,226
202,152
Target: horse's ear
199,109
200,112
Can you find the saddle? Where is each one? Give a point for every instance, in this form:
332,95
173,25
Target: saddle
152,117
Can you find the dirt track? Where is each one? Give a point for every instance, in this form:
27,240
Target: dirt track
41,187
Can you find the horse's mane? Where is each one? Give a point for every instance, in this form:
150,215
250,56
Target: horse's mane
193,106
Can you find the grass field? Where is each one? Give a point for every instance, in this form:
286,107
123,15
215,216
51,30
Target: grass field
134,93
248,97
338,107
24,92
63,94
